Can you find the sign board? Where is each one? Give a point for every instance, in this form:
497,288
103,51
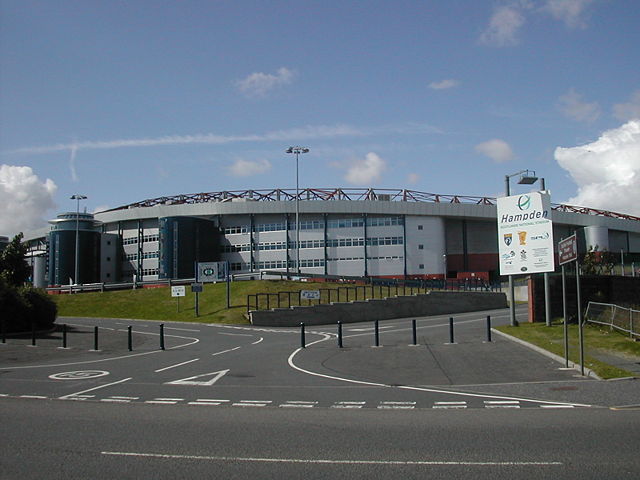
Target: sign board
568,250
196,287
310,294
178,291
208,272
525,234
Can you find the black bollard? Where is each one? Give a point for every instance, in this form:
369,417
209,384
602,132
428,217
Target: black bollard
130,339
339,335
451,330
488,328
303,343
415,331
377,334
95,338
162,336
64,335
3,331
33,334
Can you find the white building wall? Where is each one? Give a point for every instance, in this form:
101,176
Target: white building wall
429,259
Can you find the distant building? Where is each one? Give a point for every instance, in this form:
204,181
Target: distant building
343,232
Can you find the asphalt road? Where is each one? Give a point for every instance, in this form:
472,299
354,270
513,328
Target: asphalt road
233,401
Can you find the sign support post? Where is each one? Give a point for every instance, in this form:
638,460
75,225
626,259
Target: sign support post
568,252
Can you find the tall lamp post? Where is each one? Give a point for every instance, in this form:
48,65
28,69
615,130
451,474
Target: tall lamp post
526,178
297,151
77,197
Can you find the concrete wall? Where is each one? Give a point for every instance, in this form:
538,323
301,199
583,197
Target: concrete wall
432,303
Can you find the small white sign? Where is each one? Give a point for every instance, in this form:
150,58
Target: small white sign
310,294
525,234
178,291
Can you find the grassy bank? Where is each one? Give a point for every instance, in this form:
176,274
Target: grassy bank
599,342
157,303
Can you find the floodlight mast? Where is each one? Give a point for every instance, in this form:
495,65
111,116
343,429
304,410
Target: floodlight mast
297,151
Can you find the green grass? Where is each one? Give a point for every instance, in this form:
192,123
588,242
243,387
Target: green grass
157,303
597,340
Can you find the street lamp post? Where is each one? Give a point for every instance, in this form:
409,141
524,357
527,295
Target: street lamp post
77,197
297,151
526,178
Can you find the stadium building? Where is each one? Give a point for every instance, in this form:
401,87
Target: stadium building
342,232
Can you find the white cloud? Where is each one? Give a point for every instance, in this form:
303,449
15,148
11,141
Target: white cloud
606,171
504,25
629,110
259,84
413,178
366,171
573,106
309,132
444,84
24,198
571,12
248,168
497,150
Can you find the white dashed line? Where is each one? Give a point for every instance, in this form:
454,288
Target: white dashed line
252,403
449,405
348,405
298,404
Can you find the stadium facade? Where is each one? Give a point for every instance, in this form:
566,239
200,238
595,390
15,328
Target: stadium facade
343,232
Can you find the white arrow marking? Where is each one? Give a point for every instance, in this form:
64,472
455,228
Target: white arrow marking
204,383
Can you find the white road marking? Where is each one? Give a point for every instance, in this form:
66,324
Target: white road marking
257,342
298,404
182,329
407,387
397,405
215,376
557,406
236,334
161,402
176,365
251,403
40,397
71,395
225,351
332,462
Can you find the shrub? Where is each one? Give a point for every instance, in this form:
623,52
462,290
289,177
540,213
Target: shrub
42,310
20,307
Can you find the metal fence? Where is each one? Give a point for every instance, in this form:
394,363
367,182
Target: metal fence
378,288
623,319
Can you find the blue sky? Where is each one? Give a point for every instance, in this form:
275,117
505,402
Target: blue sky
127,100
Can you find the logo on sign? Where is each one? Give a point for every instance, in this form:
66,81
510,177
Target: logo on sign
524,202
508,238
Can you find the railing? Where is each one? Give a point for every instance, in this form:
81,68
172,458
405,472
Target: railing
376,289
101,287
622,319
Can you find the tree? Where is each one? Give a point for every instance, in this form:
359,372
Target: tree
13,266
21,306
597,262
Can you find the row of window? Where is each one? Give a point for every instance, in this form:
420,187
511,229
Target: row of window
134,256
317,224
145,238
337,242
308,263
